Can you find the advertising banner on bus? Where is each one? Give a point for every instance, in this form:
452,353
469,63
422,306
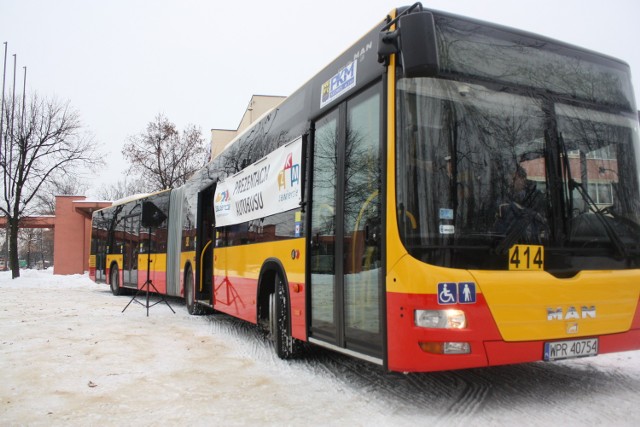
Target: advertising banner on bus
269,186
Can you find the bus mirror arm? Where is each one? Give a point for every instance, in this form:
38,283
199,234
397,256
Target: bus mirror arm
388,40
387,45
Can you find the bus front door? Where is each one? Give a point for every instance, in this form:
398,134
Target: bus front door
345,262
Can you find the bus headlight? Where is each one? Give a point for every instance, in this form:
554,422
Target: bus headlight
443,319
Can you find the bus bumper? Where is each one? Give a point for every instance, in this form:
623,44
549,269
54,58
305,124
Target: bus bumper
504,353
410,348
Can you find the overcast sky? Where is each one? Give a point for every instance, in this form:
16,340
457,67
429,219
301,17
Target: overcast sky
121,62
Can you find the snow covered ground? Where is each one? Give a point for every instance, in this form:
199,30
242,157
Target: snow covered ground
69,356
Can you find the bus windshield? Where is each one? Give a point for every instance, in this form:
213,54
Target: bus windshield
485,168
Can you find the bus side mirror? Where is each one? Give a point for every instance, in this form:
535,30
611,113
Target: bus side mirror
418,48
415,41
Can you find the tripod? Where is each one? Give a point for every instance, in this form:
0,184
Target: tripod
148,285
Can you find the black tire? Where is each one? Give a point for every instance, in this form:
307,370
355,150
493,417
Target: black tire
287,347
114,281
193,307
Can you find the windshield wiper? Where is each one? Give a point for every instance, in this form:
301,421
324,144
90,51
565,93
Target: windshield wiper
611,232
573,184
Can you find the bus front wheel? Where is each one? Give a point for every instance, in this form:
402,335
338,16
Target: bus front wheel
287,347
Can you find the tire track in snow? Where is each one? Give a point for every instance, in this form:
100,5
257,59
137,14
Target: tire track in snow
456,397
471,398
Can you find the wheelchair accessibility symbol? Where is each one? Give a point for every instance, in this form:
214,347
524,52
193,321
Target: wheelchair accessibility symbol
454,293
447,293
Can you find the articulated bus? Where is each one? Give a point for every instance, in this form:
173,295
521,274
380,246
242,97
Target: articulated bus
446,194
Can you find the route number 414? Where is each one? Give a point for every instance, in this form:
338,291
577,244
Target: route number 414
526,257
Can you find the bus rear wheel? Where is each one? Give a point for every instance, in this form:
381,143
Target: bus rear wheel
193,307
114,281
287,347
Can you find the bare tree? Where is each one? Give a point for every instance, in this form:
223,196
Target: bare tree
45,203
45,141
120,190
163,157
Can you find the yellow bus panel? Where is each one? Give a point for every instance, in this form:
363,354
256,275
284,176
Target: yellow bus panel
158,262
536,305
117,258
533,305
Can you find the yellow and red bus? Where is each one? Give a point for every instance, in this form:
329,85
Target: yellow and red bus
446,194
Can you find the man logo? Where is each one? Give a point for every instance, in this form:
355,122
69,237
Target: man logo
571,313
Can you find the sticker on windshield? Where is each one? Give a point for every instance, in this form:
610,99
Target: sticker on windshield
447,229
446,213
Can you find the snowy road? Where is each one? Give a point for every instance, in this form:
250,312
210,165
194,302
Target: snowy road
68,356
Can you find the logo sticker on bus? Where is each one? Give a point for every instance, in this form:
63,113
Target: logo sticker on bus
343,81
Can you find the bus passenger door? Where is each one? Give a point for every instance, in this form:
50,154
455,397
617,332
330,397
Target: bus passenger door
345,246
131,249
204,245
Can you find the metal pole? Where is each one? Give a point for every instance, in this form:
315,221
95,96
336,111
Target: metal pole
3,150
13,97
13,110
8,167
4,73
24,96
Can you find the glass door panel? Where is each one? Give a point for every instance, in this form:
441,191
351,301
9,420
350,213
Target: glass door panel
363,220
323,226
